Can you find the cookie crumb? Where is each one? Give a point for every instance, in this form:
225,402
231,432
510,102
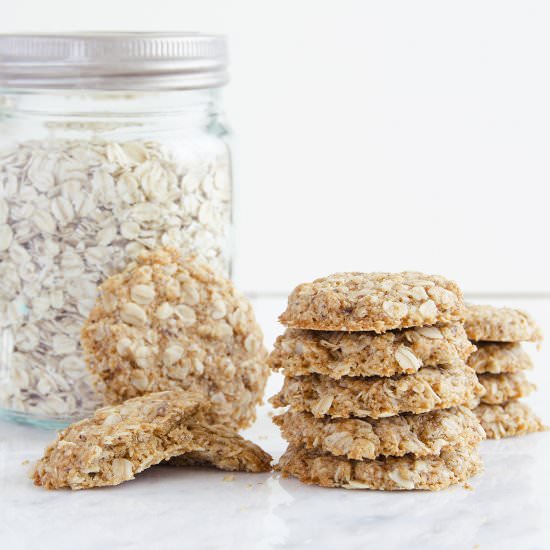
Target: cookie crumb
25,462
229,477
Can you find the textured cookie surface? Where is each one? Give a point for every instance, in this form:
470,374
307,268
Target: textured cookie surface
119,441
508,420
500,388
429,389
169,322
354,438
373,302
338,354
500,324
499,357
434,472
221,447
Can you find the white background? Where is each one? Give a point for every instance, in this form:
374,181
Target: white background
379,135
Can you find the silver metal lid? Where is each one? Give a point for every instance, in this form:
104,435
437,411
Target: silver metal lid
113,61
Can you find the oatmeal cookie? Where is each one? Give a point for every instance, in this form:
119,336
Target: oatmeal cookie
219,446
499,357
429,389
500,388
374,302
119,441
169,322
359,439
500,324
454,465
508,420
338,354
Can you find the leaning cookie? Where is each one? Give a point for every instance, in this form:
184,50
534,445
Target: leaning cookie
120,441
221,447
171,322
508,420
336,354
500,324
417,434
500,388
377,397
499,358
374,302
434,472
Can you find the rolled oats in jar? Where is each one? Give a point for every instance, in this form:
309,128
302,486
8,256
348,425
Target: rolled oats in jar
110,144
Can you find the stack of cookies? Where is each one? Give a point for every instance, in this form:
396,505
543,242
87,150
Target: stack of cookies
376,383
500,363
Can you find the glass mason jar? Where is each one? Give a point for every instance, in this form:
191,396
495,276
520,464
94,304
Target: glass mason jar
110,144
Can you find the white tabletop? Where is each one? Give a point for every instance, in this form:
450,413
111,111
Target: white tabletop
508,506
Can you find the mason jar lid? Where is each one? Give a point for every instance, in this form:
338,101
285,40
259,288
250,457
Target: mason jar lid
113,61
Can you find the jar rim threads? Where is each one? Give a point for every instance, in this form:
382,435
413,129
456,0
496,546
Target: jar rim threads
113,60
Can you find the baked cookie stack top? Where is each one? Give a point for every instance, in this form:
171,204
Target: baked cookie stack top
376,383
500,363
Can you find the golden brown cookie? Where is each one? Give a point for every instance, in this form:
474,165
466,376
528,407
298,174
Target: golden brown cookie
168,322
336,354
433,472
500,324
374,302
221,447
359,439
508,420
120,441
499,357
429,389
500,388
